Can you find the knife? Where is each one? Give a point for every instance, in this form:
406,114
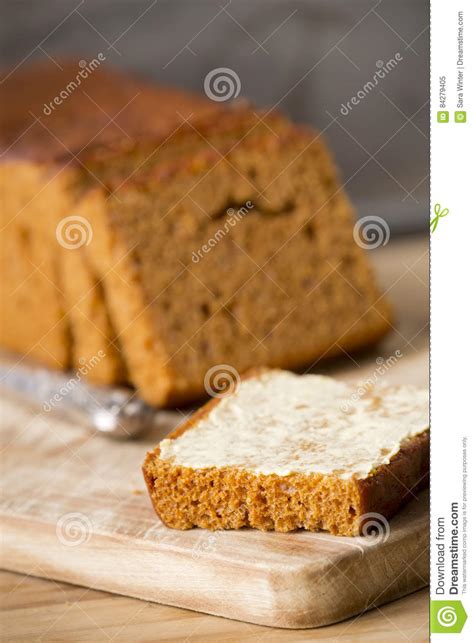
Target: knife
115,412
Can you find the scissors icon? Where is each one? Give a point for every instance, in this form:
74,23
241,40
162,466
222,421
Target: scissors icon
438,215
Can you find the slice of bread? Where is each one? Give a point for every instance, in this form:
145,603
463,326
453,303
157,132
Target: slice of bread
283,452
92,332
33,199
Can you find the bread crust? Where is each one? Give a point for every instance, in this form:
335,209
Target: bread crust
392,485
231,498
141,109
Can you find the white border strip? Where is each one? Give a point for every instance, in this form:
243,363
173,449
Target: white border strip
452,317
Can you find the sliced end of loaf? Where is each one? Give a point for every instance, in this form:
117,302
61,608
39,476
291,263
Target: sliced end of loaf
283,286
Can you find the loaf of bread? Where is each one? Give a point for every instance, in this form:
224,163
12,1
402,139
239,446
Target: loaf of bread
168,233
49,118
283,452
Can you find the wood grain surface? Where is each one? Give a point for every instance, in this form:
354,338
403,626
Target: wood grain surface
74,509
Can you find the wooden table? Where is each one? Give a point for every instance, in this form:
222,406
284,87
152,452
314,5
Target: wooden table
41,610
45,610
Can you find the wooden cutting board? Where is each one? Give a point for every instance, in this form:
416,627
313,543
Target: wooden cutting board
74,508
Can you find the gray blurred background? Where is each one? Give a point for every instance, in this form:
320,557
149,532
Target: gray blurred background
307,57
